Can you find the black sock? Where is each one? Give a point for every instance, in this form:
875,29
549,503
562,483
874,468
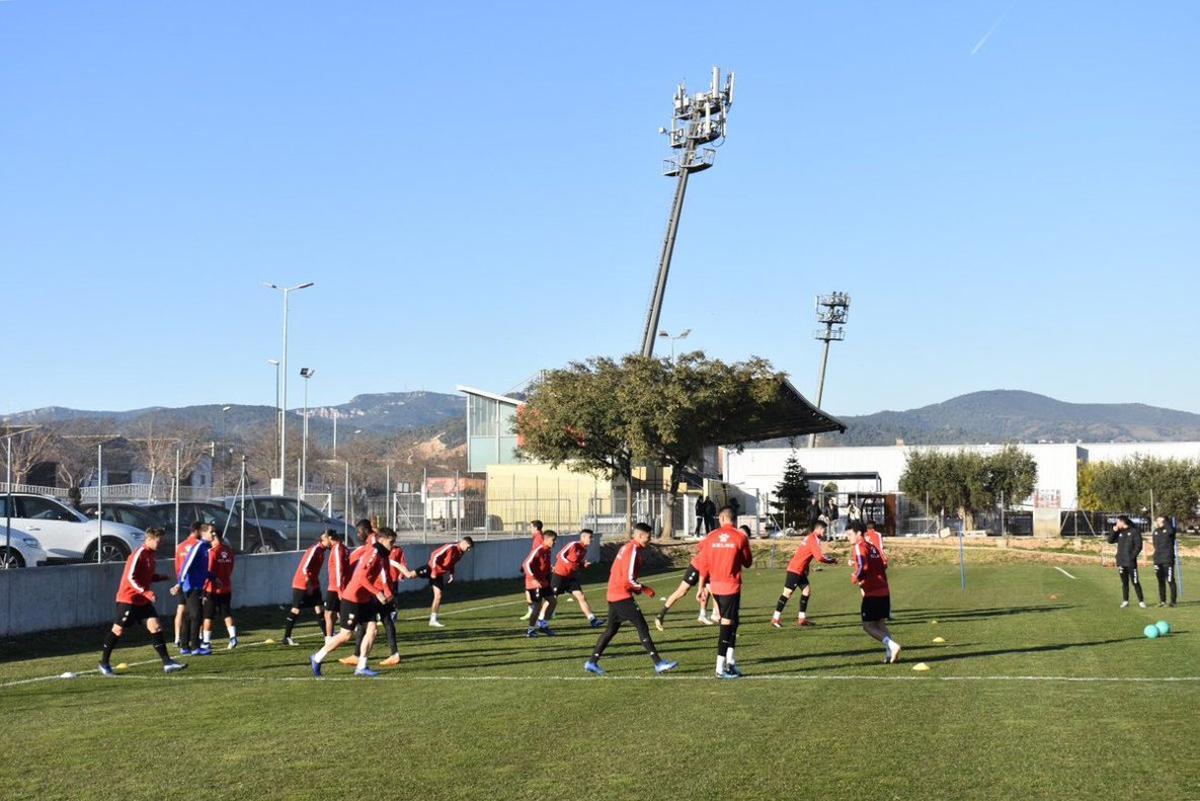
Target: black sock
110,642
359,633
733,634
781,603
723,639
160,646
390,625
289,625
803,603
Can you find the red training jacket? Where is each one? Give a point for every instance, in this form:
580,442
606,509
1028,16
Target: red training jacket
809,550
571,560
220,570
137,577
623,581
870,571
726,551
308,572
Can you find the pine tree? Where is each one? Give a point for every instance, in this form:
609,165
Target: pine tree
792,494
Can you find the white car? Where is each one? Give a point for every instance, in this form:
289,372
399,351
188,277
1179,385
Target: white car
18,549
68,535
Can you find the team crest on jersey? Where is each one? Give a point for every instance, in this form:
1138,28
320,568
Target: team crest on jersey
724,538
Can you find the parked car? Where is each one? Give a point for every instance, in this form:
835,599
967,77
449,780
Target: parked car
131,514
259,538
23,550
68,535
279,512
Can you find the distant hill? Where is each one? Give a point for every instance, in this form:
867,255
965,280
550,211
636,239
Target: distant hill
1014,416
381,414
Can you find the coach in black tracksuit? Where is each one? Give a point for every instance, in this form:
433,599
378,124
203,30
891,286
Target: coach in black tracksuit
1128,539
1164,558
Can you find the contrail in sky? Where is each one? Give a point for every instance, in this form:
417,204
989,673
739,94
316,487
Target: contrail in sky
979,45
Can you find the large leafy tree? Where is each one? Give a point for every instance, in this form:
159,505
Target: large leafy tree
966,482
1172,485
609,416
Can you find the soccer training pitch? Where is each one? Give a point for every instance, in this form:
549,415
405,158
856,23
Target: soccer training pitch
1043,689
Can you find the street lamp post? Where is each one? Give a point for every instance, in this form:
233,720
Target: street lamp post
275,364
665,335
305,373
283,403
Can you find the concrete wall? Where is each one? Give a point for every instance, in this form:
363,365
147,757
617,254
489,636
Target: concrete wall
62,597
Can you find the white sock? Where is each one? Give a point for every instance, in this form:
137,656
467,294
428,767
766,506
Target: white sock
775,615
887,643
801,615
432,617
319,656
207,637
720,664
591,617
232,631
362,663
729,656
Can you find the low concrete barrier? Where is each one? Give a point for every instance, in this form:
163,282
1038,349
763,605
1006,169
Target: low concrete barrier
69,596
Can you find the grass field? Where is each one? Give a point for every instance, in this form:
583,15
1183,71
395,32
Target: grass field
1044,689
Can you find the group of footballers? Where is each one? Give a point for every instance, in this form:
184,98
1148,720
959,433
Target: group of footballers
361,587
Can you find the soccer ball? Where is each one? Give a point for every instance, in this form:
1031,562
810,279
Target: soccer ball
1151,632
1164,628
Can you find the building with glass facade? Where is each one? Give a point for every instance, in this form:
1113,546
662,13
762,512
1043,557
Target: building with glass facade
491,429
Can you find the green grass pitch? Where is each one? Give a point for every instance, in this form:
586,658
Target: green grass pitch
1043,689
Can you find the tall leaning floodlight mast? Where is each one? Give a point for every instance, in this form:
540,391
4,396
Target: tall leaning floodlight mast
698,120
832,312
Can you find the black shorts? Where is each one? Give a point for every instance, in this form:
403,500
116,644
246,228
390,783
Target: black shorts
691,576
217,605
333,601
560,584
536,596
876,607
304,599
794,580
130,614
729,606
439,581
354,615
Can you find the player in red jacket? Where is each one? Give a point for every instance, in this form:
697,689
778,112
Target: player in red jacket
365,596
135,604
218,590
337,573
181,551
536,569
875,538
440,572
306,587
399,572
870,576
535,535
623,584
797,575
690,579
564,577
726,552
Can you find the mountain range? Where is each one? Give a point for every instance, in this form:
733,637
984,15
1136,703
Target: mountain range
989,416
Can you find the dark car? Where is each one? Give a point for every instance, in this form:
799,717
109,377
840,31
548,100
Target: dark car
259,539
131,514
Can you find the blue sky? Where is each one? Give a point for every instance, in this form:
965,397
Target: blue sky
475,190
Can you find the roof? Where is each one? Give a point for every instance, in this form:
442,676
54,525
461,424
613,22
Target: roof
793,416
489,395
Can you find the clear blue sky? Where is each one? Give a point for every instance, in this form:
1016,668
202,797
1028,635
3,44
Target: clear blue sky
475,190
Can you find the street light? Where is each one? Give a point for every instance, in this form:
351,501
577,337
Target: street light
665,335
275,364
283,407
305,373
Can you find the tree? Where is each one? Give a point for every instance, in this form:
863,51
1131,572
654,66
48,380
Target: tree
157,446
28,446
74,451
793,494
574,417
966,482
1172,486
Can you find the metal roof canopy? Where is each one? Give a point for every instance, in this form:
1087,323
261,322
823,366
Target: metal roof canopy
793,416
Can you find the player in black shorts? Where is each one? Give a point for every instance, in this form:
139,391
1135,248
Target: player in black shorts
690,579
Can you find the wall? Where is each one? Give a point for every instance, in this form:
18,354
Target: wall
48,598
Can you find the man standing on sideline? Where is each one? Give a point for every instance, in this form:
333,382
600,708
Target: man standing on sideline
623,584
565,578
440,572
135,604
1128,539
181,551
193,575
536,569
727,551
870,576
797,575
710,515
218,590
535,533
1164,558
306,587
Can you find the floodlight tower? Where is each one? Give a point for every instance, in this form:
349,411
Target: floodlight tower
832,311
697,120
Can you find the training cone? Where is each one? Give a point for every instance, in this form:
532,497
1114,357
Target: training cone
1151,632
1164,628
268,641
122,666
939,639
921,666
1053,597
933,622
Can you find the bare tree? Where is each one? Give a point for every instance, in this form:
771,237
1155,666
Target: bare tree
29,446
74,451
157,445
